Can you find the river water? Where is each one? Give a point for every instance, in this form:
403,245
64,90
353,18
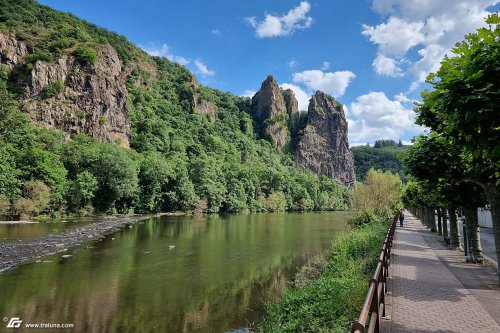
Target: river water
217,278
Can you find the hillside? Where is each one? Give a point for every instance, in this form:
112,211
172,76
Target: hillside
89,122
379,158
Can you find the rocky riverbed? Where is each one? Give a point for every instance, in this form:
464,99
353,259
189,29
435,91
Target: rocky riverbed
15,253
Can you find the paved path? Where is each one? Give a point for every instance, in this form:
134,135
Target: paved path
433,290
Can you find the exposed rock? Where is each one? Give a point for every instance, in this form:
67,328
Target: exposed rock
324,147
11,50
204,107
292,108
93,100
269,113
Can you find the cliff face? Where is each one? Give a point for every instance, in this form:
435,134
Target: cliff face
269,112
92,99
324,147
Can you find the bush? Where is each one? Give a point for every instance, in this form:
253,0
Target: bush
85,55
362,218
53,89
4,207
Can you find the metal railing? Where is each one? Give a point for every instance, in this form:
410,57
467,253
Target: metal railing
374,307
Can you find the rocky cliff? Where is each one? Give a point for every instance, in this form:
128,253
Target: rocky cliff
269,112
324,147
90,99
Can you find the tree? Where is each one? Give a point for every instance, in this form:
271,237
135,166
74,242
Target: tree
443,167
464,105
379,193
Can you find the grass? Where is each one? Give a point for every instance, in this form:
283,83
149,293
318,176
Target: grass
333,299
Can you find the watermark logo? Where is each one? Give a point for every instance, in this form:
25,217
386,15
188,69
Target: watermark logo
14,322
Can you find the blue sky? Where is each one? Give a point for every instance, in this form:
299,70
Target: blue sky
371,55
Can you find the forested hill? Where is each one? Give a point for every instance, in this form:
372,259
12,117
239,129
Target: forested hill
91,123
385,155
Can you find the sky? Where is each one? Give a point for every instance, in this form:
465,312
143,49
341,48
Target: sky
371,55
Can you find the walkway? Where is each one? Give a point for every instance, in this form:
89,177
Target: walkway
434,290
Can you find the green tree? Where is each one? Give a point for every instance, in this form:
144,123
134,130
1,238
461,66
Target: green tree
380,192
464,104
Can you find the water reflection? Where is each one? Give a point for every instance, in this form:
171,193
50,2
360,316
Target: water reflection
217,278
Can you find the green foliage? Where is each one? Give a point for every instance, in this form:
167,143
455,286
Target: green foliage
85,55
332,301
36,198
385,158
179,159
53,89
380,193
384,143
463,105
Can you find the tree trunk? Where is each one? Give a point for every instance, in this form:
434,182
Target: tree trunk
454,235
431,218
493,196
440,226
425,217
445,223
473,236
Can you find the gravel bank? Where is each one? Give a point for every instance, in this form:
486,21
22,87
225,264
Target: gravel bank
15,253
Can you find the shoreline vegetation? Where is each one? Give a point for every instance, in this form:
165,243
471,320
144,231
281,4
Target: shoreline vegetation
328,293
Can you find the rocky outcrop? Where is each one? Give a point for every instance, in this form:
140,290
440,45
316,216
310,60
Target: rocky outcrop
270,114
88,99
12,50
93,99
324,147
204,107
292,108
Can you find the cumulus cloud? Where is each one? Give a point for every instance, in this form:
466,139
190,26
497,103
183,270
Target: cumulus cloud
302,96
387,66
275,26
203,69
430,27
333,83
374,116
401,97
164,51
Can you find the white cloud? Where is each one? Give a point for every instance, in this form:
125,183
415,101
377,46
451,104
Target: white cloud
203,69
216,32
300,94
387,66
325,66
401,97
248,93
396,36
164,51
293,63
432,27
274,26
374,116
333,83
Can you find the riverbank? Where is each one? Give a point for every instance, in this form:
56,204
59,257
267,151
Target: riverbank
332,299
20,252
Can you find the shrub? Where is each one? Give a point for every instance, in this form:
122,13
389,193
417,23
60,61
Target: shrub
38,192
53,89
25,207
85,55
4,206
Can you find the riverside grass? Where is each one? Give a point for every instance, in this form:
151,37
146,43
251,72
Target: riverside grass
332,301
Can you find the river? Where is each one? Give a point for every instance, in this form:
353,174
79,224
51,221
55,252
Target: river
169,274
